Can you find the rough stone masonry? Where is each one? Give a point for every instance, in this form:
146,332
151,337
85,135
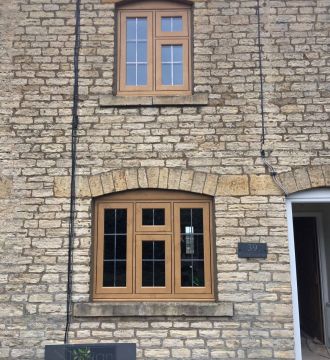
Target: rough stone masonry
211,149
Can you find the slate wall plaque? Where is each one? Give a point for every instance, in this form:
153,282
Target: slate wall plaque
252,250
91,352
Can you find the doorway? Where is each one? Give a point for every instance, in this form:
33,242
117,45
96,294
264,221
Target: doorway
306,238
309,244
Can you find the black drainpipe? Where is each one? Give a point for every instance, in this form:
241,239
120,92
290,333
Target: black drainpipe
75,122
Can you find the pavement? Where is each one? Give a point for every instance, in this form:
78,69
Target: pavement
313,350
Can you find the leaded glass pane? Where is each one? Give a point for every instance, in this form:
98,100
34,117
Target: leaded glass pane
115,245
153,263
192,247
153,217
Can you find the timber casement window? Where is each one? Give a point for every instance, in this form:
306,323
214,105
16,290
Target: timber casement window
153,245
154,49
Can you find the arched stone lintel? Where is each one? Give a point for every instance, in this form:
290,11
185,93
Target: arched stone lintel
306,178
157,178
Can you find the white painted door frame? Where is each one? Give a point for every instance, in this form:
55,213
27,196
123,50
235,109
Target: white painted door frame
309,196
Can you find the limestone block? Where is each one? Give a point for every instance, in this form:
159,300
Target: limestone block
316,176
119,180
5,186
263,185
198,182
131,179
142,178
174,178
186,180
163,178
62,186
95,185
288,181
326,173
153,177
83,189
107,183
210,185
233,185
302,179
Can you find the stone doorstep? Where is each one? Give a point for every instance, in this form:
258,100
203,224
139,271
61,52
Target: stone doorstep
111,309
124,101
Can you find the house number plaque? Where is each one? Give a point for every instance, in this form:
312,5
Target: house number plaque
252,250
91,352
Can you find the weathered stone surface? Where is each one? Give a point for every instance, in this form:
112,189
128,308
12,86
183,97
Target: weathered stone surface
5,186
153,309
62,186
316,176
95,185
302,179
233,185
263,185
82,187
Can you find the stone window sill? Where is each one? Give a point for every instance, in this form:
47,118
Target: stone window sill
124,101
124,309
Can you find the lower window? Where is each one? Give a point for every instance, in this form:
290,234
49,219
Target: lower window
153,245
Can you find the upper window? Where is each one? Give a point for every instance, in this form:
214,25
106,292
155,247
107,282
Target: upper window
153,245
154,48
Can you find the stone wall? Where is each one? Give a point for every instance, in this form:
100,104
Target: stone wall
213,147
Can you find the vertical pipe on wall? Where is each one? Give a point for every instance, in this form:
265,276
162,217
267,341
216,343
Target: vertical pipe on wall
75,122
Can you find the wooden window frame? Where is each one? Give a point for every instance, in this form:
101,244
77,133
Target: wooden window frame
116,292
134,201
168,268
152,228
153,11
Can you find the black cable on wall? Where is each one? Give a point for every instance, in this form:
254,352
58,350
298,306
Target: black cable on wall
75,123
266,163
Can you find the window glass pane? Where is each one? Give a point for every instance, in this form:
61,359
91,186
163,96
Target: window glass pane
109,221
114,273
109,247
191,217
171,23
177,23
177,74
142,28
115,243
197,220
192,273
192,247
159,250
153,216
147,217
131,28
121,221
153,263
136,51
120,273
130,74
141,74
166,53
172,68
198,274
186,273
166,74
159,216
166,23
147,250
177,53
142,51
131,51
